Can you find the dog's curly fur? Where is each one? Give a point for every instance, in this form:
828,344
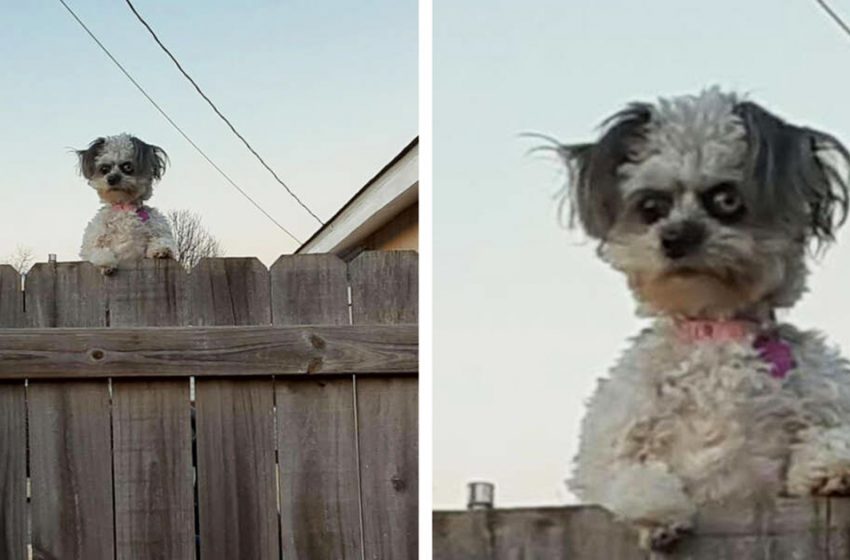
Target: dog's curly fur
678,423
123,169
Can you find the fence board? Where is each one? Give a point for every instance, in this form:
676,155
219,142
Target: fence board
319,492
72,513
384,290
154,513
11,298
237,505
151,294
236,469
587,533
206,351
309,290
70,443
232,291
65,295
13,454
811,529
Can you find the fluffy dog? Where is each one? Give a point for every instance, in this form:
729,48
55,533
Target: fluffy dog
708,204
122,169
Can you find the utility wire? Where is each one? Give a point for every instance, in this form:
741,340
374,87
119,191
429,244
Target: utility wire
217,112
834,16
173,124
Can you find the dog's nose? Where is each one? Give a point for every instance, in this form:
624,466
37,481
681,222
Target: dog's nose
113,179
681,239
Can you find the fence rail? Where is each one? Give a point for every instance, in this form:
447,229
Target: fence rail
300,440
790,529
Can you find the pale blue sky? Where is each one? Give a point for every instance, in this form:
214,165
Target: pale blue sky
325,90
526,318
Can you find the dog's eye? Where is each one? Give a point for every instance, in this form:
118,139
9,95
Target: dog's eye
653,207
127,168
724,202
104,169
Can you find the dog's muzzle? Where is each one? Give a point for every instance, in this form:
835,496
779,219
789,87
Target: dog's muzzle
113,180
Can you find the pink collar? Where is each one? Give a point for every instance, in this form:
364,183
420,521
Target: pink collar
770,346
140,211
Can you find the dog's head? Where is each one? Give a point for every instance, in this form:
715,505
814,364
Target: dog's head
122,168
707,202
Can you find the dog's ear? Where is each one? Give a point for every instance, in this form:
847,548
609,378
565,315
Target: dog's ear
593,190
799,173
87,157
149,160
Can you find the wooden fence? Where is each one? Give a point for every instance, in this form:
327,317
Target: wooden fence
817,529
301,439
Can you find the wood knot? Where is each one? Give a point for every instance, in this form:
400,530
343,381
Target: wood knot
96,354
317,341
314,365
398,483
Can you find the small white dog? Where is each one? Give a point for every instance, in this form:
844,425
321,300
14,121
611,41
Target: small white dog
122,169
708,203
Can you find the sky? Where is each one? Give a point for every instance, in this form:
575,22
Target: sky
525,316
325,92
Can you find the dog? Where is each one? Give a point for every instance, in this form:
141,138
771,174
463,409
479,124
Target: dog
122,170
710,205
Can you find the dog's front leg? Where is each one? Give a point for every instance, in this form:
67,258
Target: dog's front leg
161,244
653,499
103,258
820,463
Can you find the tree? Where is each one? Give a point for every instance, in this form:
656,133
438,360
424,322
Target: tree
21,258
194,241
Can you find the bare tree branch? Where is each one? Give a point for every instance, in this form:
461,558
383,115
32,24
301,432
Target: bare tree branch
21,258
193,240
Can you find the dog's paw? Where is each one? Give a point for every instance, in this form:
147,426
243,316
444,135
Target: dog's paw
162,253
835,483
662,538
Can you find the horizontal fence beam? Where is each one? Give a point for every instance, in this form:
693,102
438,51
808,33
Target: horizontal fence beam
810,529
61,353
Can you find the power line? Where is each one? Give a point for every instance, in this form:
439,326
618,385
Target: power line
834,16
173,124
217,112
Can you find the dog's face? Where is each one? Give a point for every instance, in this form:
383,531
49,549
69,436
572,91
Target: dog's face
708,203
122,169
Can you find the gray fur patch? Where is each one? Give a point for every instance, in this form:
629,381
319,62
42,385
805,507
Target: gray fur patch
87,157
787,176
594,184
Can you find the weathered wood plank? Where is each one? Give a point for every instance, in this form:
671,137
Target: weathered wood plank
811,529
153,471
309,290
228,291
319,491
389,461
384,290
11,298
152,454
13,475
237,501
70,447
786,529
206,351
65,295
69,424
586,533
236,469
149,294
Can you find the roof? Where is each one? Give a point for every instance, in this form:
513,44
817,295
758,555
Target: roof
394,188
